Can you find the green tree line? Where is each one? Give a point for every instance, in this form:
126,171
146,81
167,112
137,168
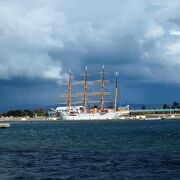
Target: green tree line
23,113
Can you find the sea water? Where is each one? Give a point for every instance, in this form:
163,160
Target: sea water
91,150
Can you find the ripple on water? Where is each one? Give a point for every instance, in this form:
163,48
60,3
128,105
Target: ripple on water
89,150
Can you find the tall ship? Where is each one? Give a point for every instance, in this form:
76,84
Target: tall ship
79,110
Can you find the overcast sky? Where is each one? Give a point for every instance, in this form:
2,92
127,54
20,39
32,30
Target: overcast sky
41,40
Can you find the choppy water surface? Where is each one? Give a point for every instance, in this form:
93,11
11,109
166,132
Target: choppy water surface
91,150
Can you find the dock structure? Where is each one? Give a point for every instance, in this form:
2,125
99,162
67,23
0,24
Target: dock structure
4,125
155,110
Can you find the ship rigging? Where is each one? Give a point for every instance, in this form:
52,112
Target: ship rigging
71,112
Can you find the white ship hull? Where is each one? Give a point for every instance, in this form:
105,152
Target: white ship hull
77,113
96,116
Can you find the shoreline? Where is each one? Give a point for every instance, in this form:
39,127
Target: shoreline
25,119
55,119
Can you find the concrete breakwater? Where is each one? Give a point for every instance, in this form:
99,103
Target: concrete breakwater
41,118
4,125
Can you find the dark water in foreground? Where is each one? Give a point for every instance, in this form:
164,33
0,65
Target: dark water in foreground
91,150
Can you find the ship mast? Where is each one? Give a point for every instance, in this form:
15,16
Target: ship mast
85,90
116,92
102,89
69,102
70,95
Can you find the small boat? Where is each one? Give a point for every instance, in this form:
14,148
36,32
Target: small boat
153,118
4,125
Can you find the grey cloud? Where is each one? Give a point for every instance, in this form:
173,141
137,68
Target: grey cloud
39,39
25,40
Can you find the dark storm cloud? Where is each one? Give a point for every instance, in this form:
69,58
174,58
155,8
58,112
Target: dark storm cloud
40,39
